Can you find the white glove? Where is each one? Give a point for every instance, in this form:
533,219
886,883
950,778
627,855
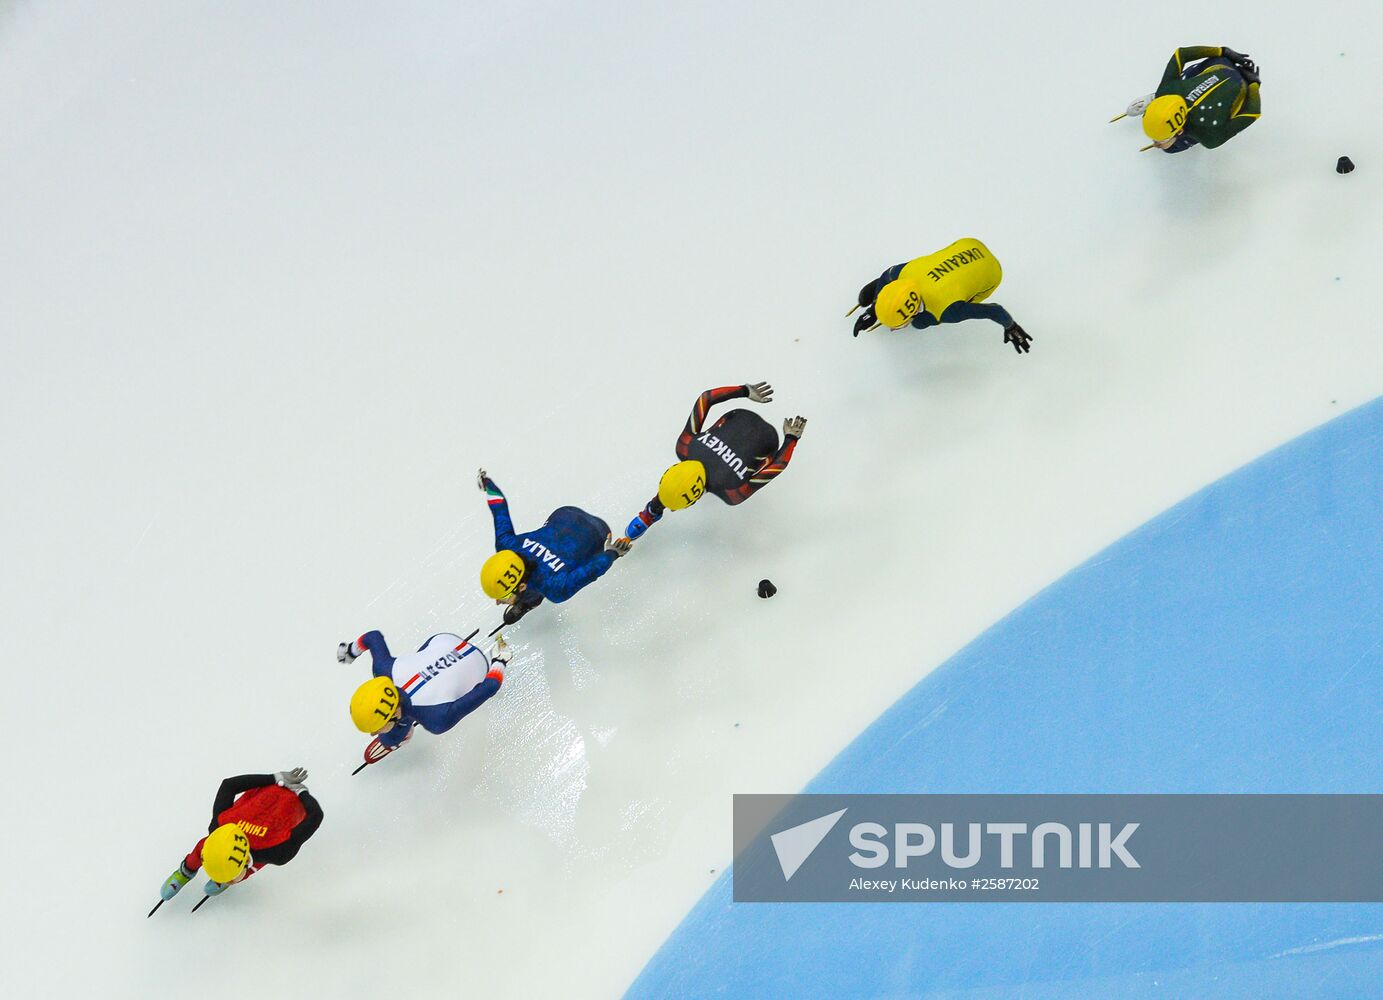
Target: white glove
1136,109
480,478
760,392
794,426
502,652
619,546
292,780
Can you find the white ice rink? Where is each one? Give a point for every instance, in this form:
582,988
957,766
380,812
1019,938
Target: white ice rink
275,278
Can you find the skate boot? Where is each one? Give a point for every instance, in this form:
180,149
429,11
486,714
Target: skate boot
175,882
641,523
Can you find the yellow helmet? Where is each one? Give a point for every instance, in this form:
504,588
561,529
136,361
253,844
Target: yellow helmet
682,485
1164,117
898,302
501,574
225,853
373,705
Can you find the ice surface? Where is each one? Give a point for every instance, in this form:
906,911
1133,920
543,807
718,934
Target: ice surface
1230,644
277,278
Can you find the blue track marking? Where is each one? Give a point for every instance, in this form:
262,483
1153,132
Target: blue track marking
1235,643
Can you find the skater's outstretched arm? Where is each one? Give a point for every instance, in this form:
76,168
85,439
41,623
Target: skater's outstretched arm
499,511
701,407
774,467
958,312
1189,54
381,660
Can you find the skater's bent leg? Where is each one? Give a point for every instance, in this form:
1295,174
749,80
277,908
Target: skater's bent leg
644,519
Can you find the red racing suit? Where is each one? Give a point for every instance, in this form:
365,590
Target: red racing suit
275,820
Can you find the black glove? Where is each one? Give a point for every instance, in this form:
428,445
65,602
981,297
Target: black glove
866,320
1236,58
1249,71
1018,337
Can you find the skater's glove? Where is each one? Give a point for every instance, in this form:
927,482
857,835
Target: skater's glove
1249,71
487,485
1018,337
502,653
292,780
760,392
619,546
498,661
866,321
1237,58
794,426
174,883
1136,109
345,652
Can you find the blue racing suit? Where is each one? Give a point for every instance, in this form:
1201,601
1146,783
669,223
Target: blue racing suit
561,557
